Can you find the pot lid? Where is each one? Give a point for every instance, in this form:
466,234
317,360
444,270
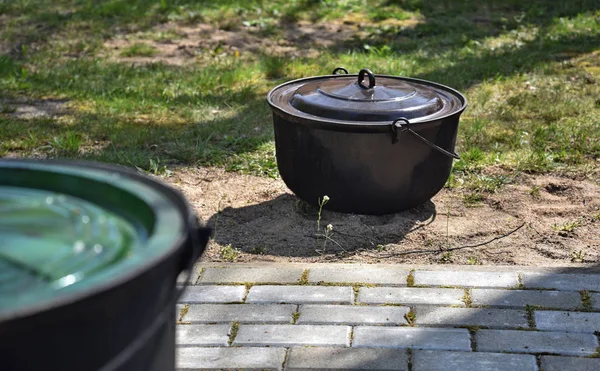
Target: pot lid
68,228
366,98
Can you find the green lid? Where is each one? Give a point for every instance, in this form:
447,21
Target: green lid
67,228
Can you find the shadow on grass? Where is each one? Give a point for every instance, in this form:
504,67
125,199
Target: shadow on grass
286,226
138,141
454,29
511,62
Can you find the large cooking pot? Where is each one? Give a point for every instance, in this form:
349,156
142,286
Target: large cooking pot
374,144
89,257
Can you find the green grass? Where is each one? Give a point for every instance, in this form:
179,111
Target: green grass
568,227
139,50
530,70
229,254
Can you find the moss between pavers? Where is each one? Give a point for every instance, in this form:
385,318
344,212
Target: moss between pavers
411,317
529,310
538,361
410,279
202,270
409,355
595,355
182,312
472,332
235,327
467,299
295,317
586,300
520,286
304,278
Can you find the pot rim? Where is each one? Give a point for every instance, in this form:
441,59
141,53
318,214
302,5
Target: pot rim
171,211
361,126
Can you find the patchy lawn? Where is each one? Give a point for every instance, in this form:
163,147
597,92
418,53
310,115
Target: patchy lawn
177,89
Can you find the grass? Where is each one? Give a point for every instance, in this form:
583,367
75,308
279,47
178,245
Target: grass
473,260
568,227
229,254
530,70
139,50
578,256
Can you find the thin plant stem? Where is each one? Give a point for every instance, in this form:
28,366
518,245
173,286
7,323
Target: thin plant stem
448,229
322,203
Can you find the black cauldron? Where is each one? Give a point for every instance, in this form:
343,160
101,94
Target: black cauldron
373,147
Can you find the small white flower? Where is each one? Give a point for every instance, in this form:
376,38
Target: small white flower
329,227
325,198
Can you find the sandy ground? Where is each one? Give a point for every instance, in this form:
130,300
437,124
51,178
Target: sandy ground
266,222
187,43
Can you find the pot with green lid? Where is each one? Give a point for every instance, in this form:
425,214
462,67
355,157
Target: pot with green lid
89,258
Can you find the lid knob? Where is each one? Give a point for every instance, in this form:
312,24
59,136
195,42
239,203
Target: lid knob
361,78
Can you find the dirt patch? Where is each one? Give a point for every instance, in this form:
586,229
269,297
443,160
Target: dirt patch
27,108
289,39
525,223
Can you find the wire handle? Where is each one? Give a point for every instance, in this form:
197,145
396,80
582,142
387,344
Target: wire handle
339,69
402,124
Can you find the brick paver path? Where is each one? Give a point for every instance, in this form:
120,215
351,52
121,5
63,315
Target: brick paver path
376,317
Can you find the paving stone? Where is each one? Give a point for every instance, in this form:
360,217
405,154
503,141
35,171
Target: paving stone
411,337
431,360
196,358
564,282
485,317
408,296
466,279
195,273
253,275
301,294
292,335
536,342
567,321
521,298
557,363
213,294
596,301
375,276
315,359
202,335
352,315
225,313
182,278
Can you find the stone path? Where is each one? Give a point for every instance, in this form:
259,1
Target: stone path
388,317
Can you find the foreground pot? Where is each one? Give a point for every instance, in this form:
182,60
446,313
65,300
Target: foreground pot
89,258
373,144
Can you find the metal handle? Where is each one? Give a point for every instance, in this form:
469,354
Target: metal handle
335,72
402,124
361,78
